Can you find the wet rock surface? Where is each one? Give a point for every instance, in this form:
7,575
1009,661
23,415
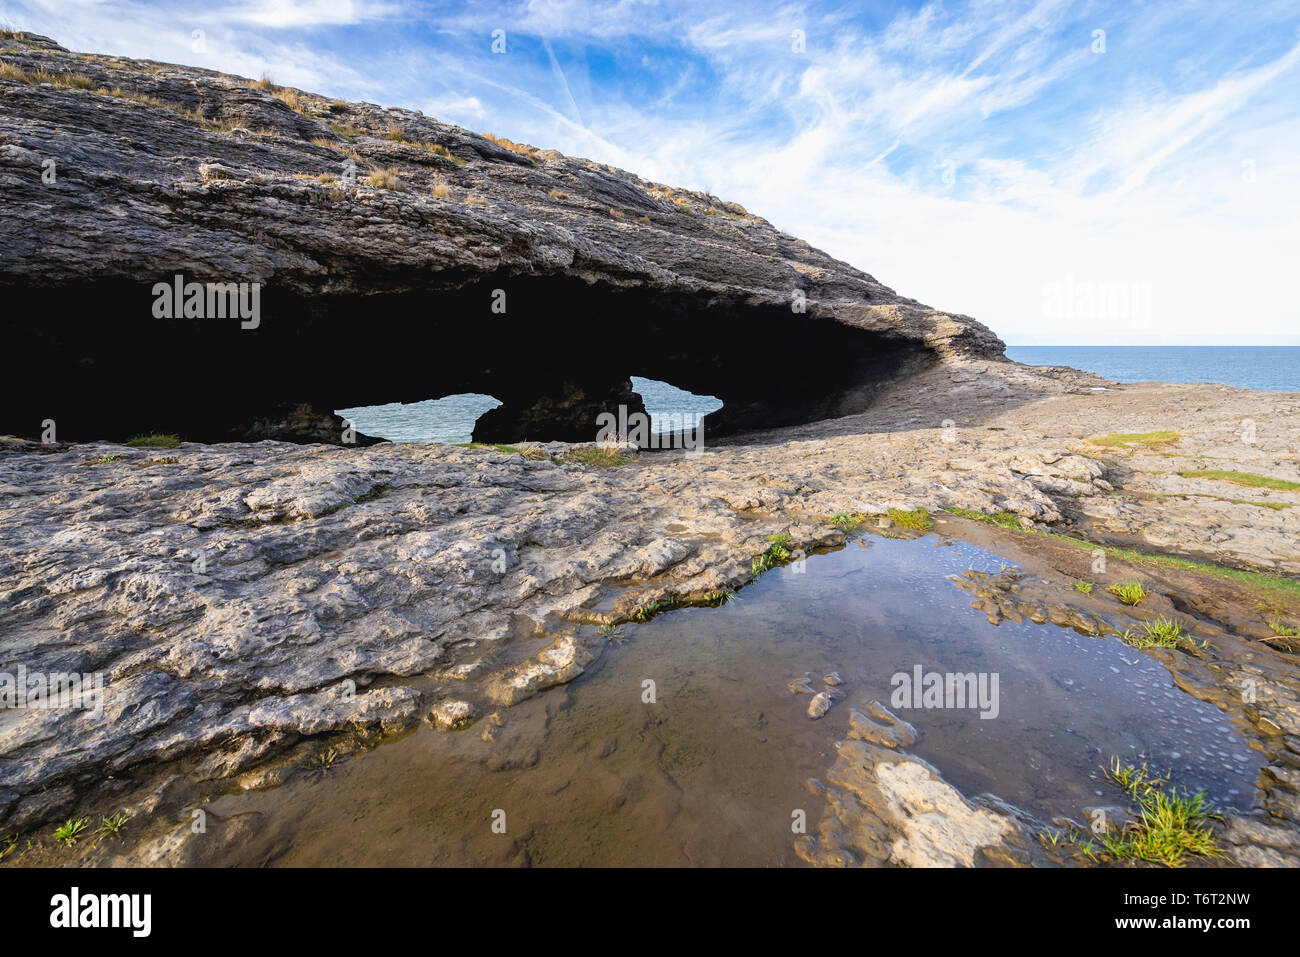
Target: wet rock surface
885,807
248,605
244,601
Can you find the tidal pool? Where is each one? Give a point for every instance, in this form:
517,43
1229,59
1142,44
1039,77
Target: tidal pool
711,771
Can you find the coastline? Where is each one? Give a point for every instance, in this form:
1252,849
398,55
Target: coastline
451,584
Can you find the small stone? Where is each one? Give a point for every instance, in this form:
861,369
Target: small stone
819,705
833,679
802,685
452,715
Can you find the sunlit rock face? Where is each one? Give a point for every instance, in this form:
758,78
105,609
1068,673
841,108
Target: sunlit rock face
227,261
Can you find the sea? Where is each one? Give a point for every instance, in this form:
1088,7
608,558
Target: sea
1271,368
451,419
1268,368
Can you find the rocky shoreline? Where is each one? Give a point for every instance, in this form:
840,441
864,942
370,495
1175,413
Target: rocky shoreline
247,601
240,604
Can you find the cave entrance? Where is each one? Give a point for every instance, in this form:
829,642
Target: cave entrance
672,409
448,420
422,364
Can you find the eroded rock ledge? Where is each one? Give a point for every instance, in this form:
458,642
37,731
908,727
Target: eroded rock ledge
366,589
380,239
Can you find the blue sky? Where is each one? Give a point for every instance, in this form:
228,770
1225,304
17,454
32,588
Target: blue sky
1065,171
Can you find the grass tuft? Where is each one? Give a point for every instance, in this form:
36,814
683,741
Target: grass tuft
113,826
847,520
595,457
155,441
384,179
68,832
397,136
1283,635
1158,633
651,608
1123,440
532,452
1246,479
521,148
1130,593
1172,827
776,554
1003,519
918,520
1083,586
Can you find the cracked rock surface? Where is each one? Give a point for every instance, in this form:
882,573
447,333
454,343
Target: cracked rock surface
243,596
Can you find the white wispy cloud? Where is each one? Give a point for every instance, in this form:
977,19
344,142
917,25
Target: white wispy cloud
974,155
285,14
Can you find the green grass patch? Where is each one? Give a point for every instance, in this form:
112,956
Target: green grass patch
1247,479
1261,580
1123,440
847,520
611,633
1003,519
68,832
776,554
1157,633
595,457
154,441
1130,593
113,826
1275,585
918,520
1283,635
1172,826
1083,586
532,453
651,608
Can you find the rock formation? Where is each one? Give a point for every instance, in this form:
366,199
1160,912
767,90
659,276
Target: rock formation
393,258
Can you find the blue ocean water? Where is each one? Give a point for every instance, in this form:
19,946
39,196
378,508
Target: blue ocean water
451,419
1268,368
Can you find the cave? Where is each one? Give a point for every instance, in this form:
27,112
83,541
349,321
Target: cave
555,350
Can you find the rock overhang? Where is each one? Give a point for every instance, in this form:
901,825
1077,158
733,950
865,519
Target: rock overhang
357,221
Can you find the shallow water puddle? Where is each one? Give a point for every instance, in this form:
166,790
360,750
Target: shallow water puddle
712,771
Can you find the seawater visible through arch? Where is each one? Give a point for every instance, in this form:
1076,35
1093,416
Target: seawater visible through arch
451,419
